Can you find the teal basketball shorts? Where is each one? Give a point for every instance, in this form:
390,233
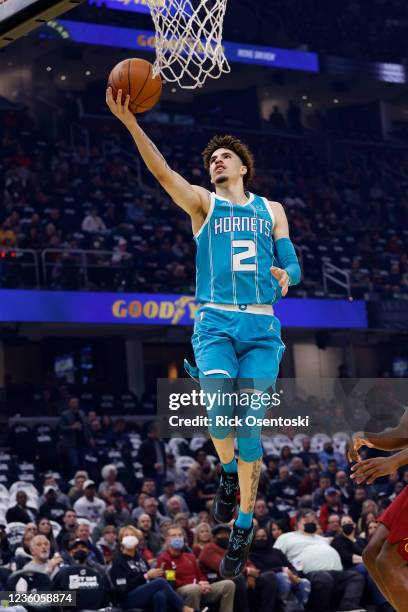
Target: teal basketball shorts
236,343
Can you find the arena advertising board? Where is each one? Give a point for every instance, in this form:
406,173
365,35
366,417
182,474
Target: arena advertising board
134,6
144,40
162,309
11,7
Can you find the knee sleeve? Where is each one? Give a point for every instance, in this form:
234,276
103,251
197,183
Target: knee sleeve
250,449
209,385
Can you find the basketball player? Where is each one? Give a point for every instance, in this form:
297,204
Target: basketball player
386,556
245,263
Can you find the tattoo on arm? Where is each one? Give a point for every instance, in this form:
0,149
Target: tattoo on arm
156,150
255,473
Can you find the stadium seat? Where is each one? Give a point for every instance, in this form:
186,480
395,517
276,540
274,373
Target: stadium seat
185,462
197,442
4,494
15,532
269,446
56,528
317,441
174,444
23,485
281,440
31,582
341,440
297,441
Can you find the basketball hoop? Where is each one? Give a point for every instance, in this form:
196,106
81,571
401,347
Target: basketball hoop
189,40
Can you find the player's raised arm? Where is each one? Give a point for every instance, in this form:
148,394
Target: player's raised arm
193,199
289,272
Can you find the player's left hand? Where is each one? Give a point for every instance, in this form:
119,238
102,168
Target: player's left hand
371,469
282,278
358,441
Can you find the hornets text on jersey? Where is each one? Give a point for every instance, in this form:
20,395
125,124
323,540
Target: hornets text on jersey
235,250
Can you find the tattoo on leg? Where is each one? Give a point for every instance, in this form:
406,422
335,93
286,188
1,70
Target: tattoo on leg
255,473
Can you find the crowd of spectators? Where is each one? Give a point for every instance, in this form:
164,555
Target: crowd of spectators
351,212
139,533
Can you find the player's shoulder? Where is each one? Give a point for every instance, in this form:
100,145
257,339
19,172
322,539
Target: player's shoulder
276,206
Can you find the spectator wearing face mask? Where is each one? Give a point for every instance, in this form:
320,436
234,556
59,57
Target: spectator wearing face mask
321,564
83,533
350,548
265,589
272,563
190,582
137,585
85,576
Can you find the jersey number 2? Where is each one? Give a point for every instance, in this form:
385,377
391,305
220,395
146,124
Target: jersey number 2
238,259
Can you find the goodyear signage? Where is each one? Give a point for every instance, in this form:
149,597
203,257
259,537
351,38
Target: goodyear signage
161,309
144,40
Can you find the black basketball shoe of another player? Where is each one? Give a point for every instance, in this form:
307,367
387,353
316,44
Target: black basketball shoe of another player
225,499
237,552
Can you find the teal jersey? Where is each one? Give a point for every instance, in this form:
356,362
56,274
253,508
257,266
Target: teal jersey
235,250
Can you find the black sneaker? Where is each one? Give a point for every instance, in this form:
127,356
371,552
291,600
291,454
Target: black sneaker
237,553
224,503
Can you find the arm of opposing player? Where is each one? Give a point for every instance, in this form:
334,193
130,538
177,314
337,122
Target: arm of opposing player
285,250
193,199
370,469
392,438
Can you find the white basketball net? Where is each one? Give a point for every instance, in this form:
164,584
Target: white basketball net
189,40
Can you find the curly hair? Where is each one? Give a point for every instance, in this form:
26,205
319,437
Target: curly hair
233,144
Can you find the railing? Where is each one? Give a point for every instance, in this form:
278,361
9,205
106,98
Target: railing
13,262
336,275
74,269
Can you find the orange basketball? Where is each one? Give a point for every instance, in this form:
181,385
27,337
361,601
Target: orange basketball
135,77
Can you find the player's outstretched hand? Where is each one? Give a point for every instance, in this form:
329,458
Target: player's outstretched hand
282,278
358,441
121,111
370,469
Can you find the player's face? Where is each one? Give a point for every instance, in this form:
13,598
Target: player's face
225,165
